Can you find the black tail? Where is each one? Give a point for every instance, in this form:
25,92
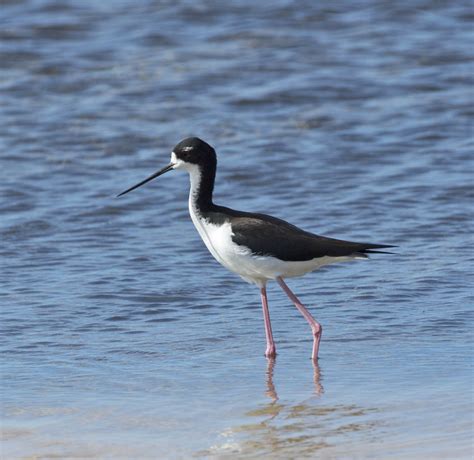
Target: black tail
371,249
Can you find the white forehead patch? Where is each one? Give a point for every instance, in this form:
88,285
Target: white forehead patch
175,161
188,148
178,163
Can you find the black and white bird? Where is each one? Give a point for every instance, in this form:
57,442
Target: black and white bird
258,247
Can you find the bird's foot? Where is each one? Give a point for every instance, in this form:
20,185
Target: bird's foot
270,352
317,333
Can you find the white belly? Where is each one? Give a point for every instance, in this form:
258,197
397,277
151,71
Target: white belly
239,259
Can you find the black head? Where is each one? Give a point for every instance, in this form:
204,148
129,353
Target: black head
193,151
190,154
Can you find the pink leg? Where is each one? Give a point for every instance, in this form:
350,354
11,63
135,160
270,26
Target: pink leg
270,352
315,326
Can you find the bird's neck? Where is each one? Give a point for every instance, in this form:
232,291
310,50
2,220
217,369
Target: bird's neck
202,186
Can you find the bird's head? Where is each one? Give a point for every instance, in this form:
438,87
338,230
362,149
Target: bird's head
190,154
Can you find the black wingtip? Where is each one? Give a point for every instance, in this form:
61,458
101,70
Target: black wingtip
374,249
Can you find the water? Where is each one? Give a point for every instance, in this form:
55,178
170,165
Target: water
123,338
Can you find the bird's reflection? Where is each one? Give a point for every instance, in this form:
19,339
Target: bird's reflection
294,428
318,387
271,390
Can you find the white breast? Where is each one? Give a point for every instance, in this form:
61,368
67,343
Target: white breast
238,259
215,237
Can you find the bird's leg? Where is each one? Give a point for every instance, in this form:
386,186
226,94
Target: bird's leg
270,352
315,326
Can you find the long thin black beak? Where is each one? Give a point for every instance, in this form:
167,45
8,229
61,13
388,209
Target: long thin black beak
148,179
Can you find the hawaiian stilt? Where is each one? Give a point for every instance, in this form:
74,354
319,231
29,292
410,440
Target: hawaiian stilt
257,247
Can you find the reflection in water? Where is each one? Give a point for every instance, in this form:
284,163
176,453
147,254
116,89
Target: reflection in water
271,390
283,430
318,388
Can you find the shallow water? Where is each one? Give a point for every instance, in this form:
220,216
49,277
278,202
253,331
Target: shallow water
123,338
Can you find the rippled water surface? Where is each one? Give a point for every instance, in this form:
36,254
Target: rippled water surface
123,338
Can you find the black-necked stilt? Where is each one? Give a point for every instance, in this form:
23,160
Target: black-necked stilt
257,247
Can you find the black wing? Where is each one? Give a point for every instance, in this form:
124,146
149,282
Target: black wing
267,235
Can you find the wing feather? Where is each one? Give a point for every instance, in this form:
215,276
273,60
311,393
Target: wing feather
267,235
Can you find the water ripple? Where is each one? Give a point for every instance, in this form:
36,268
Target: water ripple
349,122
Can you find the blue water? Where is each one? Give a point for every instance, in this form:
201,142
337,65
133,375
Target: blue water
123,338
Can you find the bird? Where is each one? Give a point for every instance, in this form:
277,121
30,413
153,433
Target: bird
257,247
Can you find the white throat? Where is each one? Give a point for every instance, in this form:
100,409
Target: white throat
195,181
194,177
205,229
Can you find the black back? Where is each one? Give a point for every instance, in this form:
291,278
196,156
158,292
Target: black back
269,236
